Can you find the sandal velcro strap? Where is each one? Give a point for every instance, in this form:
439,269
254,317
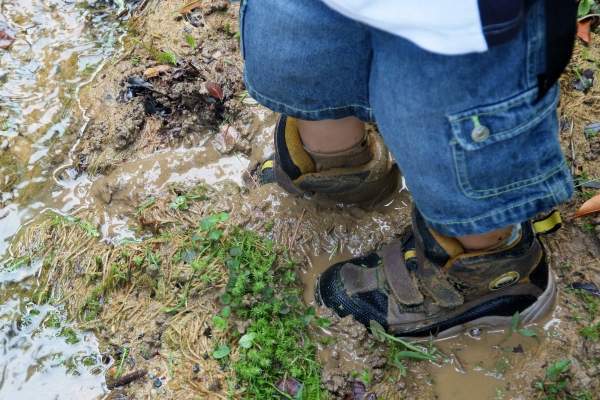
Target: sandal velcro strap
400,281
408,287
548,224
435,282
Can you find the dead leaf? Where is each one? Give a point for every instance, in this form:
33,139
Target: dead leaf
290,387
583,30
589,207
190,7
227,139
153,72
215,90
7,35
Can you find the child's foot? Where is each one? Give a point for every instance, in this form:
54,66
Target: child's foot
425,284
362,174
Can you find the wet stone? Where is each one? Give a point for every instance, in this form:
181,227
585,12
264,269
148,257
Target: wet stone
475,332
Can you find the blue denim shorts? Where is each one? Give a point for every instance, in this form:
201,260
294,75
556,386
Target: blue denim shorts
477,146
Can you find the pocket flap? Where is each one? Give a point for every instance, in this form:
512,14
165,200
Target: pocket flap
482,126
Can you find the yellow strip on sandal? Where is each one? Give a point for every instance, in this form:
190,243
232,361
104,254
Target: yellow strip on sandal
548,224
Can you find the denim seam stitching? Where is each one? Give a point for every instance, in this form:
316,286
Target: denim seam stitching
550,188
241,24
468,190
535,36
489,215
256,95
501,105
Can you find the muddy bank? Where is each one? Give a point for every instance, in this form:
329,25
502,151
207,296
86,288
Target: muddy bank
170,142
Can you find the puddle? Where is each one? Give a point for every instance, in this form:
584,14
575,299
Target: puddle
59,47
153,174
479,363
43,357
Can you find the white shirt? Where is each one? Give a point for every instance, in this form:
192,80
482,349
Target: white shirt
441,26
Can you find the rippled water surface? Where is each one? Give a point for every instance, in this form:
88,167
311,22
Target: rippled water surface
59,47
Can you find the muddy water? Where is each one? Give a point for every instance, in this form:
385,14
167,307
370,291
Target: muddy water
60,46
111,197
477,363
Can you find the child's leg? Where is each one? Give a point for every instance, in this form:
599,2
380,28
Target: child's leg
331,135
479,149
305,61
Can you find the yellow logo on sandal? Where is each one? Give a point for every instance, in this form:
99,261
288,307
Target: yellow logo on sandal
505,280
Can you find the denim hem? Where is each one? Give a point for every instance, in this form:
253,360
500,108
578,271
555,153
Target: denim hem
552,192
352,110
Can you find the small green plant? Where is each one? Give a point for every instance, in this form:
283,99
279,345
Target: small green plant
118,276
364,376
17,263
410,351
220,321
124,355
166,57
92,307
587,194
554,385
145,205
89,228
229,30
515,327
591,332
586,7
189,39
182,201
52,320
262,291
69,335
589,227
160,56
135,60
221,351
589,302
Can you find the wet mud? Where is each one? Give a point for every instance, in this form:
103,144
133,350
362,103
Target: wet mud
171,138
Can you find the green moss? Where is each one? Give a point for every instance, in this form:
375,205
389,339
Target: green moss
262,289
555,385
69,335
591,332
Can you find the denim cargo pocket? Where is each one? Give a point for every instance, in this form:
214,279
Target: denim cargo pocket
242,14
506,146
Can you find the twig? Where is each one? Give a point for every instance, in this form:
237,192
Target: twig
572,148
296,230
127,379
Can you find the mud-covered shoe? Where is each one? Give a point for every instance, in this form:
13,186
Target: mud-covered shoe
365,173
426,284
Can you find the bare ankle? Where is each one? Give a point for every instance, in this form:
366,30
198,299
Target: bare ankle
485,240
331,135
